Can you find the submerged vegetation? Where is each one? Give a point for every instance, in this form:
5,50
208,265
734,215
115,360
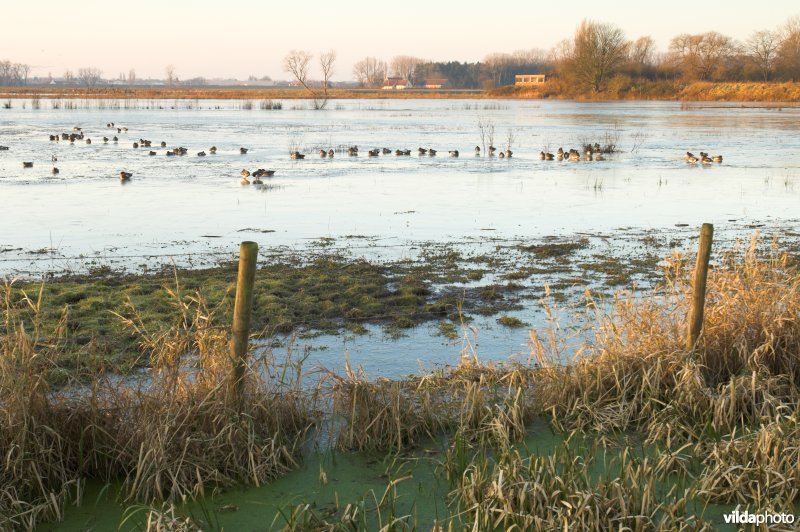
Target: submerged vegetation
653,435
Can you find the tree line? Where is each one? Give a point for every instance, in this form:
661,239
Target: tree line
599,54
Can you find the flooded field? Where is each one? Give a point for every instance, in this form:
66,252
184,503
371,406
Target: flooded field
642,200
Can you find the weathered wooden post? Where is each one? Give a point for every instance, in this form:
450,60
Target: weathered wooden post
699,289
248,256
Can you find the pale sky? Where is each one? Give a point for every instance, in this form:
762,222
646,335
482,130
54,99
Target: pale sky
237,38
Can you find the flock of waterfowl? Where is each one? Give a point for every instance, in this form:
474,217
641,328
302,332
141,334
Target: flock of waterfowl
589,152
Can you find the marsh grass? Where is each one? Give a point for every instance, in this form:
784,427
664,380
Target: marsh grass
169,440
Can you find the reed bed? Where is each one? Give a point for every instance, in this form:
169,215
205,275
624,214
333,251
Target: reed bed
171,439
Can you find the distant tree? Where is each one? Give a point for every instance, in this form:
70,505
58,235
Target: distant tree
131,77
370,72
641,56
700,56
788,54
298,63
68,76
762,49
170,75
596,53
405,66
89,76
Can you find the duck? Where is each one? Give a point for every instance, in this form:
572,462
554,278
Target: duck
170,154
402,152
453,153
28,164
245,173
243,151
323,153
125,176
76,128
374,153
509,153
212,150
492,149
705,159
692,159
542,156
163,144
3,148
135,144
386,151
105,140
201,154
297,155
689,155
330,152
422,151
88,141
431,152
501,154
115,139
151,152
55,171
549,156
477,150
717,158
53,137
352,151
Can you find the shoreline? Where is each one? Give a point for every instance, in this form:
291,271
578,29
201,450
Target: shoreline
733,92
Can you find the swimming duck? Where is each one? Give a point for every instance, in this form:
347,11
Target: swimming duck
212,150
453,153
374,153
431,152
201,154
245,173
55,171
243,150
386,151
297,155
422,151
323,153
27,164
151,152
717,158
501,154
330,152
509,153
477,150
163,144
542,156
125,176
135,144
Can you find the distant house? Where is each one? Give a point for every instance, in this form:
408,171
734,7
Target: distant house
435,83
396,84
529,79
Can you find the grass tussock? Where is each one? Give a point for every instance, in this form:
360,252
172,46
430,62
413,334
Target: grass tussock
181,432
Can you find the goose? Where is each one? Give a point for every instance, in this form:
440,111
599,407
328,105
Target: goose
717,158
27,164
212,150
453,153
125,176
243,150
245,173
201,154
330,152
297,155
323,153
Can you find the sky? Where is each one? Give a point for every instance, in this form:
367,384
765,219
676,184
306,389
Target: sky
238,38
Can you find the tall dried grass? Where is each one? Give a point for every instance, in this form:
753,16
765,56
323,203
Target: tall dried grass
167,440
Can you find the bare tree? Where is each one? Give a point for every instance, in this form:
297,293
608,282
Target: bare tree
89,76
762,47
370,72
68,76
298,62
170,75
131,77
405,66
699,56
598,50
788,56
641,54
495,64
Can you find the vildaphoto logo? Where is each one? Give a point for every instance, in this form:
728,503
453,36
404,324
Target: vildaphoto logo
766,518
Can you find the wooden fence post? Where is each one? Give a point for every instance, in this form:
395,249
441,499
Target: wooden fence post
248,256
699,290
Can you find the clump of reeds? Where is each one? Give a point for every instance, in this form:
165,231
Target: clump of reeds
167,440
